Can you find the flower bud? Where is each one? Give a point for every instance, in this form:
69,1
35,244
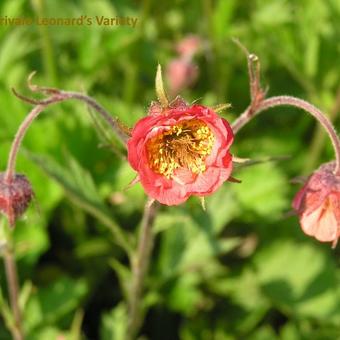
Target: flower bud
189,46
318,205
15,196
180,74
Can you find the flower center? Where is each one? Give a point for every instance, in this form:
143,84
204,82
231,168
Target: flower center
186,144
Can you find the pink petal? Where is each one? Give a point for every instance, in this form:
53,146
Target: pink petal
321,223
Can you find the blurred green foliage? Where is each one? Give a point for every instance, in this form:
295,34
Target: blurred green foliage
241,270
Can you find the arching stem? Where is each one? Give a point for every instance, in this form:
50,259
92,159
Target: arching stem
266,104
259,104
57,96
10,171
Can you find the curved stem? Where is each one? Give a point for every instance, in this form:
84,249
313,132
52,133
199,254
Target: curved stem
140,265
57,97
251,112
17,141
13,288
319,137
114,123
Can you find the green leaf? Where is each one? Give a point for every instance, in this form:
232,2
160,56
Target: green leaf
189,244
222,16
263,190
273,14
289,332
14,46
114,324
75,331
6,312
123,273
300,279
264,333
50,304
222,207
184,295
94,247
31,241
47,333
188,257
80,188
244,291
25,294
12,8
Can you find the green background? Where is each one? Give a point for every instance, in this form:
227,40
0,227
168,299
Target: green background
241,270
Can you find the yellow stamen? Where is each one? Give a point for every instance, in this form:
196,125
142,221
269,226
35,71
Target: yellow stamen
186,144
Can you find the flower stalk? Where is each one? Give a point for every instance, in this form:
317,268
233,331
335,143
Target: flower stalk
259,104
17,141
55,96
13,289
12,313
140,264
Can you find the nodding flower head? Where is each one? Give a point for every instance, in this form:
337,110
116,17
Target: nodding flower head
15,196
181,151
318,205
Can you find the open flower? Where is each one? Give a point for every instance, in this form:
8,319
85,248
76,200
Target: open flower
181,151
318,205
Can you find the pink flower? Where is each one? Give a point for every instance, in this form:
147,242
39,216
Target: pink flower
15,196
180,74
318,205
181,151
189,46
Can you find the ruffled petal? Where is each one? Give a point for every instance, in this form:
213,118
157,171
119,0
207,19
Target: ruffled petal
183,183
321,223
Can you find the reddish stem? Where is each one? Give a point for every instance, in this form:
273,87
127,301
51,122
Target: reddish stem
17,142
251,112
57,96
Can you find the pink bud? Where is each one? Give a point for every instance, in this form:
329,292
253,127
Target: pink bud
189,46
180,74
318,205
15,196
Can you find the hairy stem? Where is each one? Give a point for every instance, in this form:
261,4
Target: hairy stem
10,171
251,112
13,289
140,265
114,123
259,103
318,139
57,97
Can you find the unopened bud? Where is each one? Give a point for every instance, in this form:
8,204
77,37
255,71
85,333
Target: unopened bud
15,196
180,74
189,46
